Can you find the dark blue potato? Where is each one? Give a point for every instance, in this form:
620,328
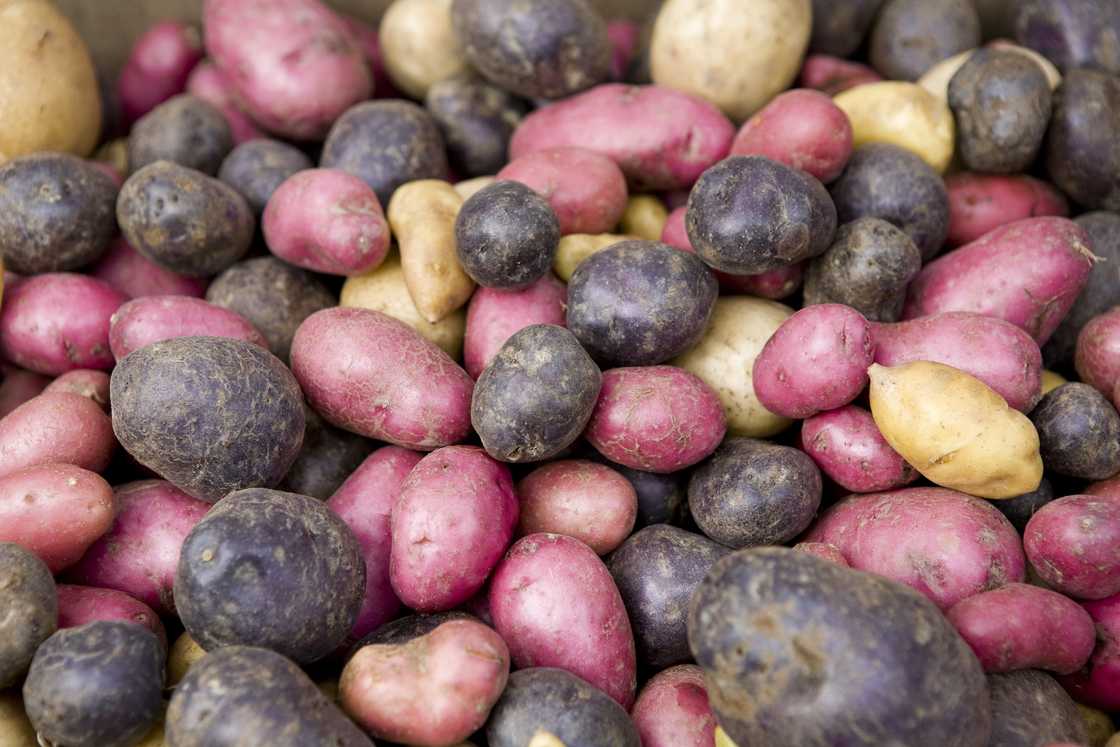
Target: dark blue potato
748,215
270,569
1101,291
911,36
477,120
656,571
1071,33
660,497
1078,432
56,213
640,303
98,685
240,695
1021,508
797,650
506,236
257,167
542,702
536,396
209,414
28,610
840,27
184,129
327,458
1030,709
1083,154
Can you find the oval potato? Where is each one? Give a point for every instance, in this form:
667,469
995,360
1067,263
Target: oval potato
418,45
902,114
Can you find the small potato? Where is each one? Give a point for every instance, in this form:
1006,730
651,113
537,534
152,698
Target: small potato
210,84
1079,432
258,167
979,203
134,275
580,499
1097,355
157,67
833,75
1096,684
644,217
496,315
506,235
1029,707
1079,154
1074,545
27,593
904,115
848,447
143,321
574,248
57,428
185,130
184,654
1072,34
672,709
477,120
911,36
838,29
78,605
93,385
418,45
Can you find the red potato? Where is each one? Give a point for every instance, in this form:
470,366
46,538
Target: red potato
946,545
1073,543
1097,357
211,85
78,605
454,517
365,502
823,550
57,322
494,315
143,321
655,418
661,138
369,41
1028,272
93,385
586,190
626,37
817,360
979,203
18,387
373,375
326,220
157,68
832,75
59,428
848,447
801,128
1109,487
1098,684
585,500
140,552
1019,626
673,710
134,275
556,605
995,351
55,510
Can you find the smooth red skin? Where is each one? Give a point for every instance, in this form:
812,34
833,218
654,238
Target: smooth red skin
1098,685
673,710
365,502
326,220
625,36
91,384
78,605
157,68
210,84
134,275
18,387
56,428
848,447
817,360
979,203
822,550
1028,272
944,544
1097,357
58,322
655,418
494,315
831,75
140,553
1020,626
1109,487
801,128
454,517
369,41
997,352
142,321
373,375
661,138
556,605
586,190
1074,545
294,63
585,500
55,510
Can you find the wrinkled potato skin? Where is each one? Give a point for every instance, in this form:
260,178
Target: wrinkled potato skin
846,445
1073,543
1079,432
911,36
901,114
27,595
185,130
1029,707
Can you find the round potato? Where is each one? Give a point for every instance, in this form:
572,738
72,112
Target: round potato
418,45
477,119
588,501
902,114
257,167
911,36
186,130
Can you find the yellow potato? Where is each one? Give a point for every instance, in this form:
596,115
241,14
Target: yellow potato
184,653
724,359
902,114
15,729
384,290
114,153
1051,381
544,738
955,430
418,45
469,187
722,740
422,216
49,99
1113,741
644,217
1097,725
576,247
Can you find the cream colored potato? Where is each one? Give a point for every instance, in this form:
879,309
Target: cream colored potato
384,290
955,430
1051,381
15,729
182,656
469,187
737,54
114,153
902,114
644,217
724,359
936,79
418,45
49,98
422,217
576,247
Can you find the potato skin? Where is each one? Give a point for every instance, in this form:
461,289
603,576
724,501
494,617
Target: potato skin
580,499
1095,685
56,428
477,119
847,446
93,385
506,235
672,709
325,460
257,167
979,203
495,315
185,130
1079,155
1101,291
27,593
1021,508
1073,545
417,46
134,275
911,36
1029,707
209,83
1097,353
78,605
904,115
824,550
157,67
143,321
1079,34
834,75
1078,432
839,28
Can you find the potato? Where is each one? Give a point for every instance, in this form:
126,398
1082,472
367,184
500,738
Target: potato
157,67
833,75
143,321
209,83
469,187
1029,707
979,203
1097,353
1071,34
418,45
506,235
824,550
904,115
93,385
1053,75
574,248
660,497
1096,684
1079,154
56,428
644,217
1098,725
496,315
50,95
573,618
185,130
1021,508
580,499
936,78
786,644
911,36
78,605
1079,432
258,167
476,118
15,728
1072,544
134,275
19,386
184,654
840,28
672,709
325,460
846,445
1101,291
27,593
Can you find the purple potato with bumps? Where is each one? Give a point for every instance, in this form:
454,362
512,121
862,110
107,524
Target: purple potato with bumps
185,130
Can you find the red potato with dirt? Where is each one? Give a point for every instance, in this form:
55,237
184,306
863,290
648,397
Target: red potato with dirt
157,68
210,84
78,605
823,550
142,321
1097,355
1073,543
672,709
55,428
1098,684
134,275
833,75
585,500
848,447
495,315
979,203
93,385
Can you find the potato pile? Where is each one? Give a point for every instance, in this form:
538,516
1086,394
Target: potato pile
507,374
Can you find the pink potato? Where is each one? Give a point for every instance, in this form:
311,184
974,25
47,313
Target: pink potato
494,315
848,447
365,502
454,517
586,190
816,360
57,322
59,427
1019,626
78,605
1098,684
327,221
625,36
369,41
157,68
979,203
1028,272
822,550
143,321
55,510
140,552
93,385
556,605
946,545
134,275
661,139
1073,543
585,500
655,419
801,128
832,75
1097,356
371,374
18,387
211,85
995,351
673,710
